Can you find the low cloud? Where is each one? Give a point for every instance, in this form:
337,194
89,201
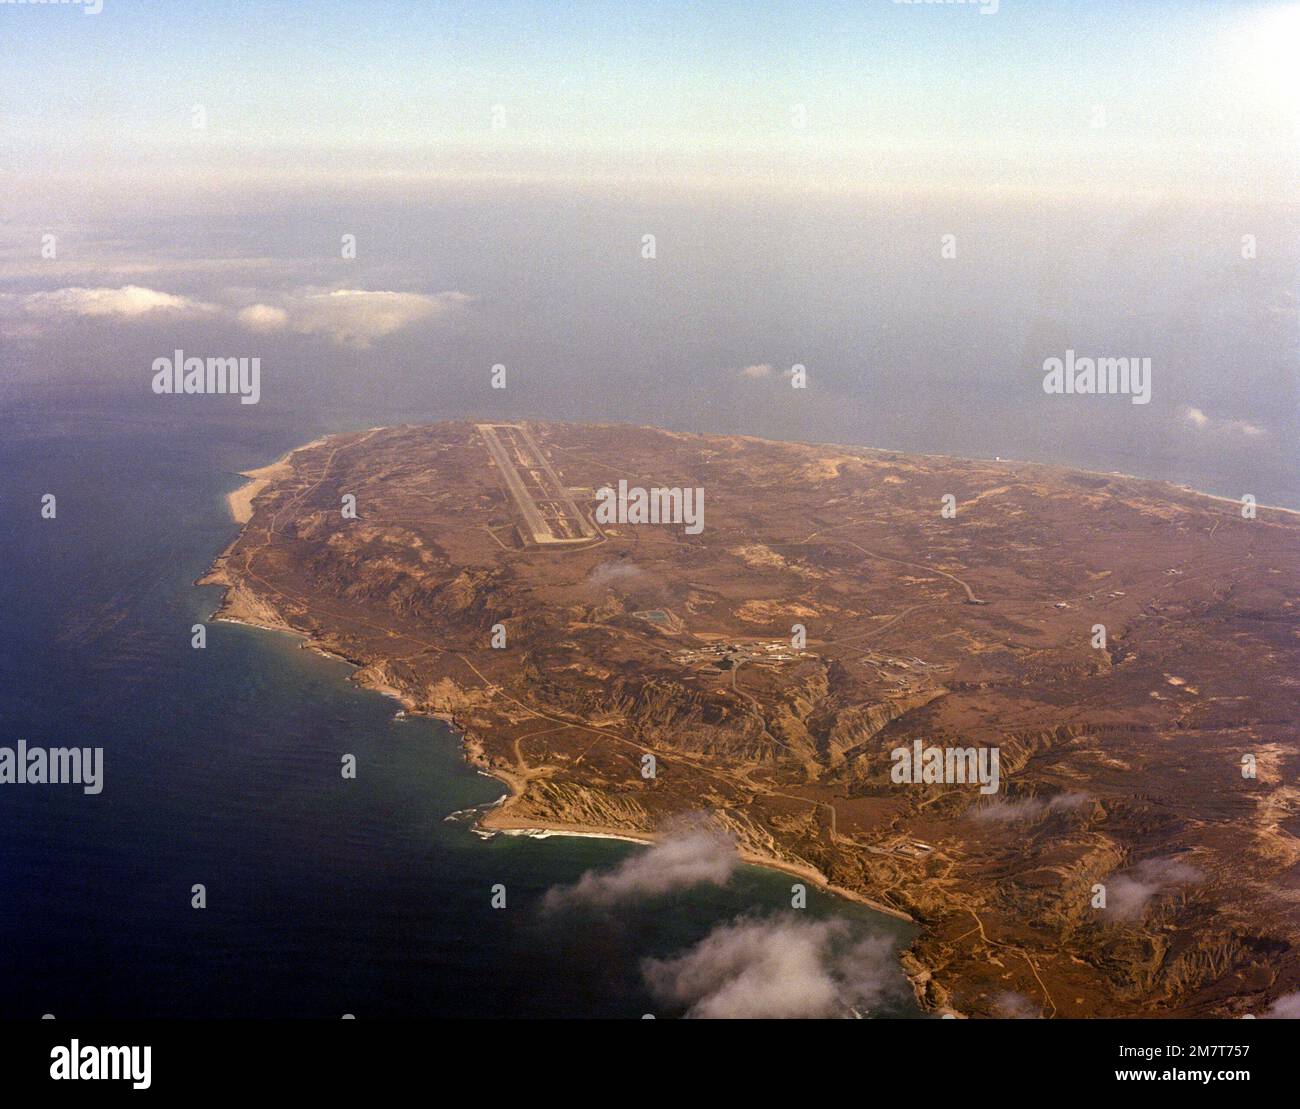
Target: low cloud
1286,1007
262,317
1030,808
128,302
1198,419
761,371
350,317
778,968
678,862
1241,427
1128,894
611,573
1015,1006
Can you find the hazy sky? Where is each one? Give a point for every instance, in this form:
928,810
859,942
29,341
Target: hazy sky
1100,167
1199,97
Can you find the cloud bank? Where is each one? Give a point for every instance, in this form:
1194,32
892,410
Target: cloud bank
127,302
347,317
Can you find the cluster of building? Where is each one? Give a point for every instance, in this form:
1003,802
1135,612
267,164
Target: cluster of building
727,655
909,662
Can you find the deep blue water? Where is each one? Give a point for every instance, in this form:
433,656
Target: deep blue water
325,896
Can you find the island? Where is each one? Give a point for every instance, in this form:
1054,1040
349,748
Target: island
1129,648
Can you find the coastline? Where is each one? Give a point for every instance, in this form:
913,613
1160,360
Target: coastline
496,818
241,604
1234,501
239,501
1181,487
499,821
1007,460
240,607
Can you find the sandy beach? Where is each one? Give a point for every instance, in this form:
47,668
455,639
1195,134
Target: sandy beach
1236,501
500,820
240,501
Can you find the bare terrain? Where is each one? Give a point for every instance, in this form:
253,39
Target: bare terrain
1121,766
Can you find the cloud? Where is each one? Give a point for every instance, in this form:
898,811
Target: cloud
128,302
262,317
1241,427
1030,808
1286,1007
1015,1006
608,573
675,863
1007,812
780,967
351,317
1199,420
1064,802
1127,894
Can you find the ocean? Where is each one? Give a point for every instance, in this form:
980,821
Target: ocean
323,896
